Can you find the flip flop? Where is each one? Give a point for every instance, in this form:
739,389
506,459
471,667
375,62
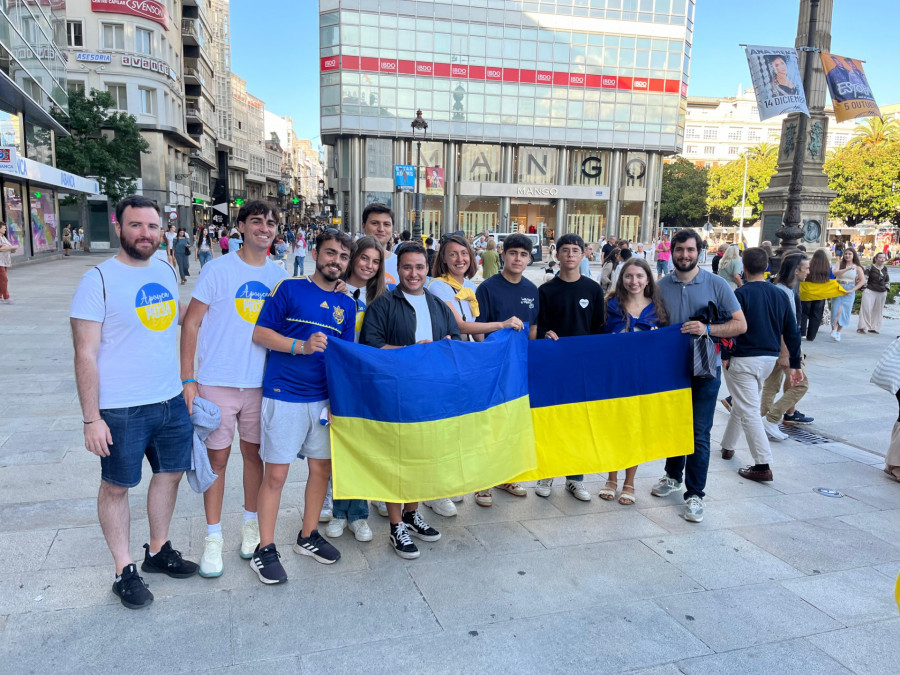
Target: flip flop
607,494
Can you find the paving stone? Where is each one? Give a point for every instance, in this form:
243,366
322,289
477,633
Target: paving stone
882,524
48,515
735,618
852,596
790,656
727,485
866,650
527,584
197,636
820,546
38,590
362,607
457,545
502,538
592,527
289,665
811,505
836,475
634,635
720,559
718,515
34,483
891,570
883,495
24,551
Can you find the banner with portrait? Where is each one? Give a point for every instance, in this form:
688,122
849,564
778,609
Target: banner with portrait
850,91
434,180
776,80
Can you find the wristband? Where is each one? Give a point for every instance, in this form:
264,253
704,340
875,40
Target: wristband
708,330
294,344
92,421
188,381
302,345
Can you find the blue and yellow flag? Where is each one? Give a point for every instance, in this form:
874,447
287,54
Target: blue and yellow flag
429,421
608,402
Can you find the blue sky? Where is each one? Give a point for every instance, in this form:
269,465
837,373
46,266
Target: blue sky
274,46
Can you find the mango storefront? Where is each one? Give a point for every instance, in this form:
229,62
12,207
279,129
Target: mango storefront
30,193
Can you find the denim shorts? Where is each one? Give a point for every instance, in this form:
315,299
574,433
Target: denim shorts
662,266
160,431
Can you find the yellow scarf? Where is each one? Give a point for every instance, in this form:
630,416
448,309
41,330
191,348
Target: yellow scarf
462,293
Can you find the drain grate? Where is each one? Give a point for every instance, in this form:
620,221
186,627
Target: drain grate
802,435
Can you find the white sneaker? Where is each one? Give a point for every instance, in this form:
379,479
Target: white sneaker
576,487
457,499
211,564
665,486
442,507
381,507
335,527
773,431
693,509
835,336
249,538
543,487
325,515
360,530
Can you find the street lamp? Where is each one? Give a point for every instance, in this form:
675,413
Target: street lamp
743,200
418,123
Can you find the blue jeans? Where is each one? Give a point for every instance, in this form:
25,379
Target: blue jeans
298,262
704,393
351,509
205,257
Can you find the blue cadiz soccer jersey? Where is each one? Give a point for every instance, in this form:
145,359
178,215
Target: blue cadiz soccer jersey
297,308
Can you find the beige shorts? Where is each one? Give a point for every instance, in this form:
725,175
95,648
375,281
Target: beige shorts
239,407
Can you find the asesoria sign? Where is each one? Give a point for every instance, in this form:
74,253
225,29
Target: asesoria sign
147,9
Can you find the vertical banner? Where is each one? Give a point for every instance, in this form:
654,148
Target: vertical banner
776,80
434,180
404,177
850,91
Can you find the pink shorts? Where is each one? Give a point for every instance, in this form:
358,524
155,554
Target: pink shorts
239,407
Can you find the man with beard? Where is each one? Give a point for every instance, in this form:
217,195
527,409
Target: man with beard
297,320
124,318
685,293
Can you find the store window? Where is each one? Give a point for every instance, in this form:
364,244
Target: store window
635,169
38,143
536,165
44,231
586,218
10,131
479,163
379,158
15,216
630,222
386,198
432,215
588,167
477,214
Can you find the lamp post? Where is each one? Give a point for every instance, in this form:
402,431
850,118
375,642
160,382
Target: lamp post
743,200
418,123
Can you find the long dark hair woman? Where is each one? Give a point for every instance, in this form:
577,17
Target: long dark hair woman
811,311
182,248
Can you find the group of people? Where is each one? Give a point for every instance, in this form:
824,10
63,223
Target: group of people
272,389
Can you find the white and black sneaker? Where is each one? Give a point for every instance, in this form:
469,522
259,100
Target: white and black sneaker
403,545
266,562
316,546
418,527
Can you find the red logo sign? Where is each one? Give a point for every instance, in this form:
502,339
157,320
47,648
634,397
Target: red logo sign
544,77
459,71
493,73
390,66
330,63
424,68
576,80
640,84
147,9
608,82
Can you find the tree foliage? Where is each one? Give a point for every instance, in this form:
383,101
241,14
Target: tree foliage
867,180
876,132
103,143
726,184
763,149
683,197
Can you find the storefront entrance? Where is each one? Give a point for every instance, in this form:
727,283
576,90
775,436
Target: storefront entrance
534,216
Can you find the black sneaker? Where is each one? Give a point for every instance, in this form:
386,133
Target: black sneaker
168,561
726,403
267,565
418,527
317,546
131,589
797,418
403,545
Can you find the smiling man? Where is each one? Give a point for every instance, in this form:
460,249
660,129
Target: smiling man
225,305
125,316
378,222
298,319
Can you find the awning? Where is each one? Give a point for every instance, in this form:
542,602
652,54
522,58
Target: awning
45,174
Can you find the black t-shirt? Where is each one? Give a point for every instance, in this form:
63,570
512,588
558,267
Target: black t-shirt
571,308
605,251
498,300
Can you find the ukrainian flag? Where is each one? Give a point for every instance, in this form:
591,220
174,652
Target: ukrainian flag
607,402
429,421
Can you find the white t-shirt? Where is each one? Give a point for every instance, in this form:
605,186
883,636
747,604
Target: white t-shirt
170,237
423,316
138,356
445,292
235,292
390,269
299,248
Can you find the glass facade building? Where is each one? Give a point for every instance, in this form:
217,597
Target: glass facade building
546,117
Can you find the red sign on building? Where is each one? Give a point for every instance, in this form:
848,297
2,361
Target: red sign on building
147,9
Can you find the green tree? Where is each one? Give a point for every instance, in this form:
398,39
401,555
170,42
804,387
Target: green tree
876,131
103,143
726,184
764,150
867,180
683,197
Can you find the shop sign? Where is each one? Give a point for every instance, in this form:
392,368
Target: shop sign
536,191
8,158
145,63
93,58
23,167
146,9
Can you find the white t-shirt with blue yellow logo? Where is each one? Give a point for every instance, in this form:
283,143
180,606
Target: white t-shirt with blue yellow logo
138,356
235,292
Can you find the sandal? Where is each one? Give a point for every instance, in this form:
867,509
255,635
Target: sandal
627,498
608,494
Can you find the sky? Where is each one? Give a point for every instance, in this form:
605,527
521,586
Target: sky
275,47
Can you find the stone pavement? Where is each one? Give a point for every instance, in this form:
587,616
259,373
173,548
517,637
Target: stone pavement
776,579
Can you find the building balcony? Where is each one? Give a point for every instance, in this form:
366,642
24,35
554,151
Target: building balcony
190,32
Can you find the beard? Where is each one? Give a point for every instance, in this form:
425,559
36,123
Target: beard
685,268
130,248
327,274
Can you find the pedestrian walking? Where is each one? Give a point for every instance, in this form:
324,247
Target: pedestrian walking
203,252
686,293
849,274
874,295
819,279
170,245
124,317
6,251
67,240
730,267
717,258
633,305
300,251
223,241
663,254
490,260
182,252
